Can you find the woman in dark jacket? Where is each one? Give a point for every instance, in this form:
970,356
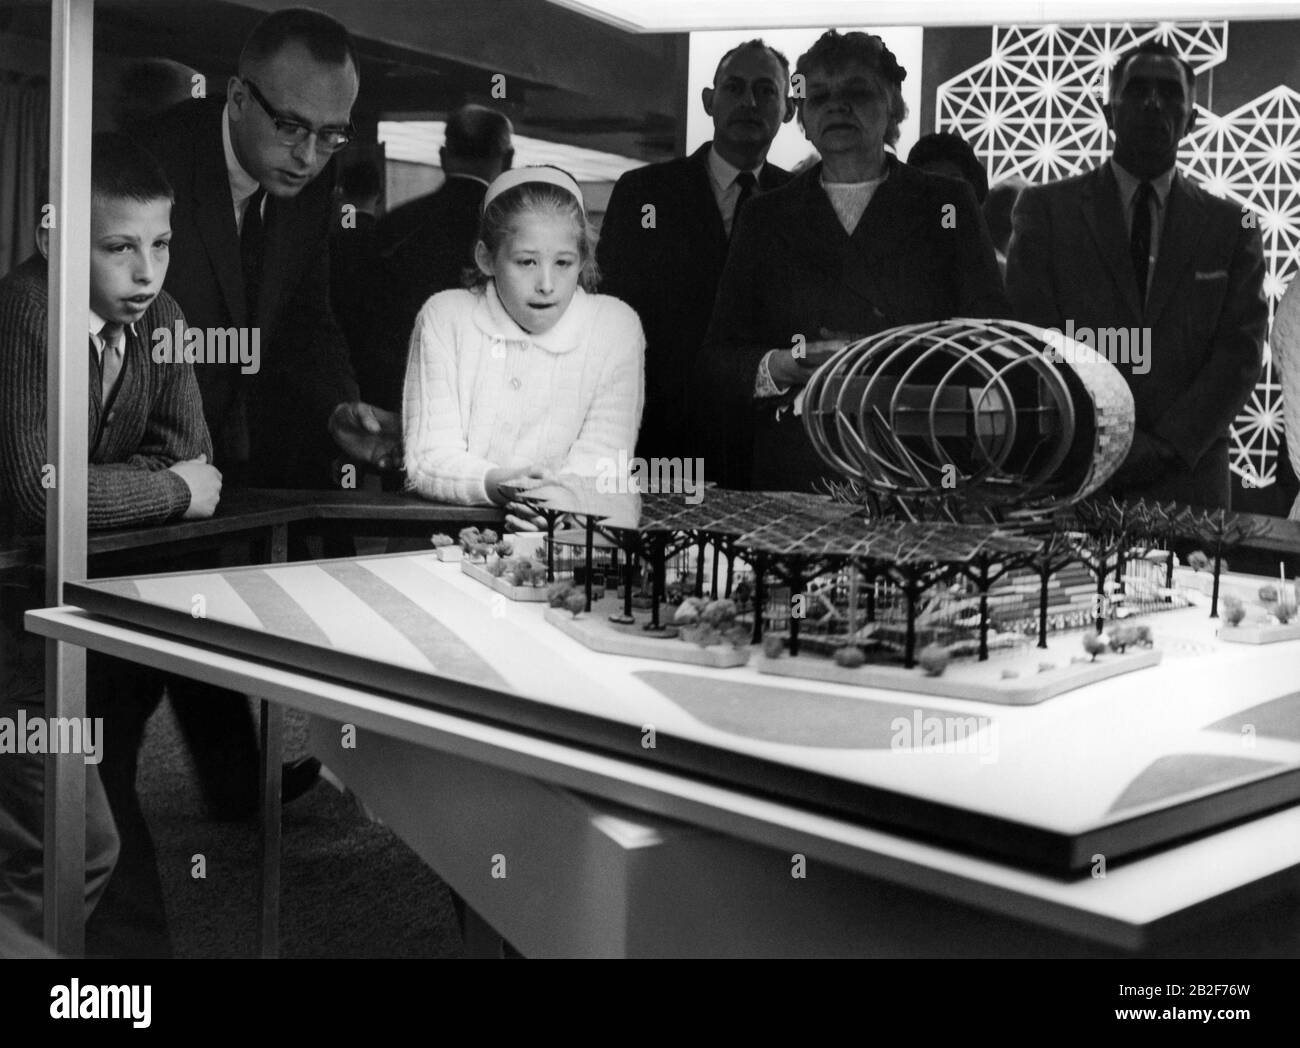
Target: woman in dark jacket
858,243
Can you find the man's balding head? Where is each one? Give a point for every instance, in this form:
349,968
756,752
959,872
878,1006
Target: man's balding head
298,79
478,143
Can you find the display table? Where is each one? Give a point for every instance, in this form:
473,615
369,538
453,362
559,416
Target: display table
429,665
253,524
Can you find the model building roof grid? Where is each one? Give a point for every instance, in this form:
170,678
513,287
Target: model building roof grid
725,512
894,542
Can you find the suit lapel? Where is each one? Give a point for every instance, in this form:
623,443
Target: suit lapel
1183,226
214,215
94,401
1104,216
886,230
772,177
702,206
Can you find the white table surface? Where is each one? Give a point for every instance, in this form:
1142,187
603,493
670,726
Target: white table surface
1229,867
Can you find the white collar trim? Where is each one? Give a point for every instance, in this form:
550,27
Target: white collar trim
491,317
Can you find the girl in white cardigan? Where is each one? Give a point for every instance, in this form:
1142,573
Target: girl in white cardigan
526,375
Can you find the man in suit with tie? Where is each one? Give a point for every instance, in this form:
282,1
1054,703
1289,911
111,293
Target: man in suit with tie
664,240
426,245
1134,249
252,224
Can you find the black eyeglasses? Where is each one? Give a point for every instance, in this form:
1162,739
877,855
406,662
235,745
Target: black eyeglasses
291,132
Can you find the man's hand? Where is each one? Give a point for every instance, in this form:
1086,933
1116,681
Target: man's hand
1149,461
204,483
368,434
794,367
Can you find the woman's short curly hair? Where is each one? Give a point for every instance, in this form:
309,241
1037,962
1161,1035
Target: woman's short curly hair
834,50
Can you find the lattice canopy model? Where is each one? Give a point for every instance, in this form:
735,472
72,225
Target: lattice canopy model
981,412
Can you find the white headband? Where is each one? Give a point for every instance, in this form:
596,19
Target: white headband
520,175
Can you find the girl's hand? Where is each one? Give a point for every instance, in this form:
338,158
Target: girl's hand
530,475
520,517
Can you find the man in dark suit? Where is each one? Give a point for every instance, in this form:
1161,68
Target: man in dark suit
665,235
1134,252
353,280
251,227
425,245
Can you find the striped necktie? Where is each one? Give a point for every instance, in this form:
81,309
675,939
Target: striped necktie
110,361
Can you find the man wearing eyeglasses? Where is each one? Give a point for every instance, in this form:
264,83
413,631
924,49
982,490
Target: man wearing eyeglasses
250,250
251,228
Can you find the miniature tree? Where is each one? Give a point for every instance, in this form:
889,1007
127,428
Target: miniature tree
934,659
1094,644
588,558
758,561
913,579
1105,526
657,550
1220,530
796,571
984,573
1056,551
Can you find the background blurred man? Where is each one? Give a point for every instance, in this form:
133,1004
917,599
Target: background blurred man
1132,247
666,231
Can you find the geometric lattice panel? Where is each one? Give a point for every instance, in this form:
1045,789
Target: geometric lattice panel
1251,156
1033,109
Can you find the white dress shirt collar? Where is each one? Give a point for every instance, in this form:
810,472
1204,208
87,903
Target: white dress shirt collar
242,184
724,173
1128,185
97,324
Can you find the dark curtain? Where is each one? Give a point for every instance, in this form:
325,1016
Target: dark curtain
24,164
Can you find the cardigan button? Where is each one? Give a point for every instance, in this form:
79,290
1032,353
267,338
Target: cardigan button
515,383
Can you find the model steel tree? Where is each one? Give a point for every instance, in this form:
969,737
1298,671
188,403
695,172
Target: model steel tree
1219,530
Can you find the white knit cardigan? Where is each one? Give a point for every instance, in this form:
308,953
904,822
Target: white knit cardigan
481,392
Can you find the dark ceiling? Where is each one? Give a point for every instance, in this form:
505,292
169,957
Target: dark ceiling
568,79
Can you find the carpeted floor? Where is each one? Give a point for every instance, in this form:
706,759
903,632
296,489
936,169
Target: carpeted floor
350,888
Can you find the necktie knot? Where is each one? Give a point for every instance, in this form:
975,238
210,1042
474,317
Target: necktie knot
253,209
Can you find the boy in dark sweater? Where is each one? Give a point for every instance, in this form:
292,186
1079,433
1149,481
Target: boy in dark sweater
149,451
